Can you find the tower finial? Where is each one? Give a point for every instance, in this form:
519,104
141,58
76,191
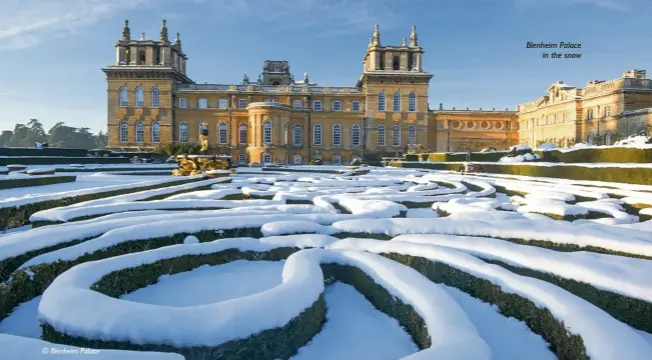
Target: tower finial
164,32
177,41
403,42
375,38
126,32
245,80
305,78
142,36
413,37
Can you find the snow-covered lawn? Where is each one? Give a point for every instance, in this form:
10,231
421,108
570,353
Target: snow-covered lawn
389,227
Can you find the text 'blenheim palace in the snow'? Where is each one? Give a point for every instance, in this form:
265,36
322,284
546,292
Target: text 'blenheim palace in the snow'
275,118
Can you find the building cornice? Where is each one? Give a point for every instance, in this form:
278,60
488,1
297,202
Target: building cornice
145,72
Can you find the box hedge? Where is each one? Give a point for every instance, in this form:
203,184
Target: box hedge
51,151
540,320
55,160
11,217
630,175
22,287
634,312
282,342
34,181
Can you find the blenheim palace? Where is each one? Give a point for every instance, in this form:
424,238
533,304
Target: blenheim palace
277,119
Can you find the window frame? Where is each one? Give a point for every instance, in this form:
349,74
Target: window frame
395,135
183,136
317,105
222,103
267,132
202,103
382,101
183,103
241,101
339,105
379,138
222,133
140,132
337,131
314,135
396,104
356,128
354,107
140,96
123,132
297,135
156,132
155,97
123,96
297,101
412,135
412,102
243,129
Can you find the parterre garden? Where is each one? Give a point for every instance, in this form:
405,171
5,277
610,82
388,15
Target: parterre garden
319,262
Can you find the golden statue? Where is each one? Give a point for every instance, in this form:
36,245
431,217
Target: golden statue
203,138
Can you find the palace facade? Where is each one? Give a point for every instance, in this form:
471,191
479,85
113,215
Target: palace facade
277,119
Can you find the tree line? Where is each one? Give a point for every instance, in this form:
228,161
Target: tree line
59,135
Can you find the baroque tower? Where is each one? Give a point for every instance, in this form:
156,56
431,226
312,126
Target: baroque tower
141,89
396,91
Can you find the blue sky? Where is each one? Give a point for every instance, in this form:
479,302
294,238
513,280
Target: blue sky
51,51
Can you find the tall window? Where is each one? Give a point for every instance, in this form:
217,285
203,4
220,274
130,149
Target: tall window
412,135
607,112
267,132
337,160
589,114
267,159
556,118
183,103
183,132
242,158
140,132
242,103
397,101
396,135
124,96
140,97
316,105
355,135
381,101
155,97
564,117
203,103
412,102
381,136
337,135
222,103
156,132
297,135
222,133
317,134
124,132
297,104
337,105
297,160
355,106
243,132
271,101
607,139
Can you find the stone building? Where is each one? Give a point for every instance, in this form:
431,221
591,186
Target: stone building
277,119
599,114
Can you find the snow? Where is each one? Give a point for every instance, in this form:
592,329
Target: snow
215,194
302,283
190,239
520,148
210,284
355,330
621,275
547,146
579,316
637,141
23,320
373,208
16,347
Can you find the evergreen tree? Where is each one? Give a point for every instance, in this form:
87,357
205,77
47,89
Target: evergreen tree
5,136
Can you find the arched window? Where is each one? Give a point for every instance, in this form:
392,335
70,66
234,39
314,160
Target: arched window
355,135
140,132
155,97
381,101
316,133
337,135
381,135
267,132
397,101
589,139
183,132
244,131
124,132
396,135
140,97
222,133
124,96
412,102
412,135
297,135
156,132
267,159
607,139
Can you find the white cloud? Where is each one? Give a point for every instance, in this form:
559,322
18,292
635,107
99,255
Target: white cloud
620,5
24,23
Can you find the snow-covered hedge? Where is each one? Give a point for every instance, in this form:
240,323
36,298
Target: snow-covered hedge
268,325
575,328
14,213
520,153
11,183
